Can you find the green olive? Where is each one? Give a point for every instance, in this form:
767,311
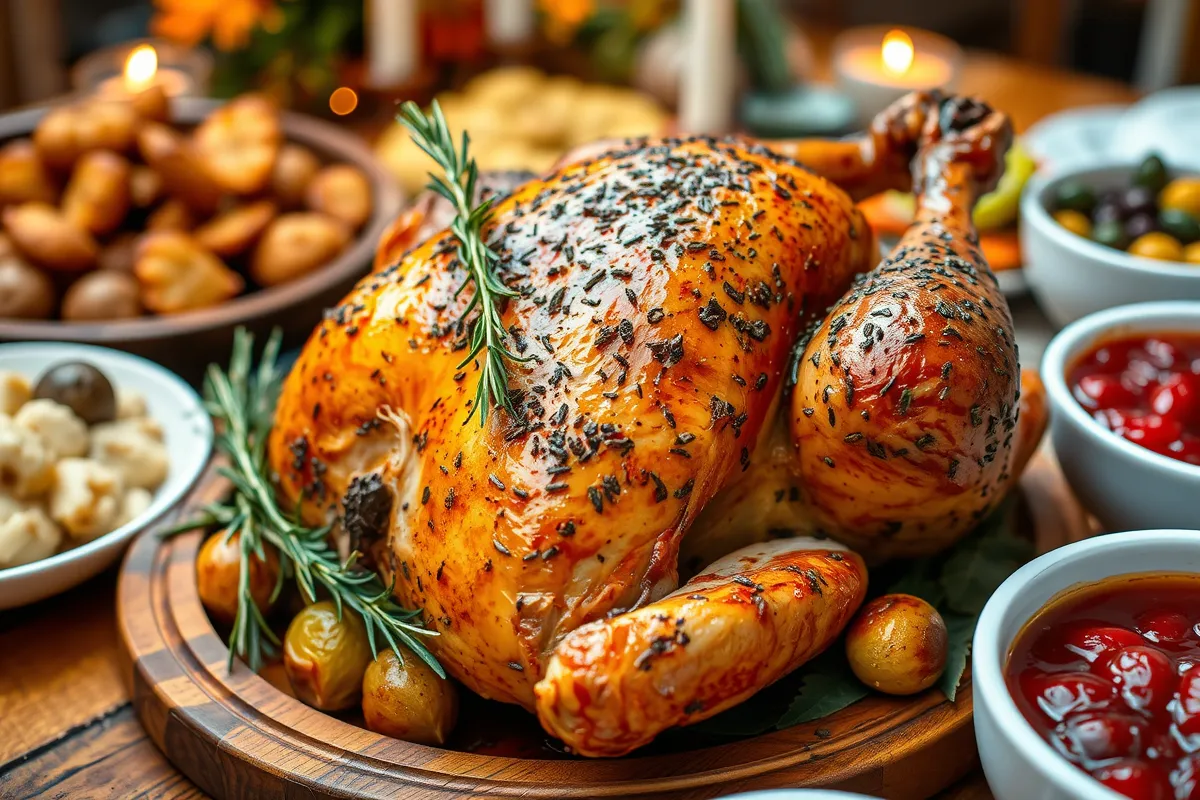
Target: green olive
1151,173
897,644
1180,224
326,656
408,700
1075,196
80,387
1110,233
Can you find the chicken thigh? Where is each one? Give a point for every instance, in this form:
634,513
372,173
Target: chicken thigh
704,330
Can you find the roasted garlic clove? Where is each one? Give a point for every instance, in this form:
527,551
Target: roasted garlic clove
23,177
326,656
238,143
180,167
235,231
342,192
67,132
45,236
296,244
218,570
177,274
294,169
408,700
97,196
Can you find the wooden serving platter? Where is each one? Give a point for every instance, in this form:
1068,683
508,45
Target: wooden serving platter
237,735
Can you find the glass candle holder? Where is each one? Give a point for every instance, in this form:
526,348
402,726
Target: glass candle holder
877,65
132,67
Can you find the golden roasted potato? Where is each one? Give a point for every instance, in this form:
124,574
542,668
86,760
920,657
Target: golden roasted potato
177,274
97,196
145,186
238,143
408,700
25,292
234,231
326,657
219,568
180,167
152,104
342,192
173,215
296,244
101,295
67,132
45,236
23,177
897,644
294,168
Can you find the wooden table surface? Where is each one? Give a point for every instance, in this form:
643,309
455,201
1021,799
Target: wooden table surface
67,725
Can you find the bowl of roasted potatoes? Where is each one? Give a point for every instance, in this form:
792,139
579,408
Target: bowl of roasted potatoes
158,227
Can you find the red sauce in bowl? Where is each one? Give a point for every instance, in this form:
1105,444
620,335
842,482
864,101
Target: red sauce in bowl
1109,674
1147,389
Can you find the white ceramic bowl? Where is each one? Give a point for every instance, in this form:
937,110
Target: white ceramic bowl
1018,763
1072,276
187,432
1123,484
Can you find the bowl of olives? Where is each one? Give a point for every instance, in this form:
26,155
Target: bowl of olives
160,227
1105,236
95,445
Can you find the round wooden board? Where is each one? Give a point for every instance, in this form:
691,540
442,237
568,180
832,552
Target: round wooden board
236,735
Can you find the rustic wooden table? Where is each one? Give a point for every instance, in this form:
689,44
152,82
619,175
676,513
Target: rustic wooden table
67,722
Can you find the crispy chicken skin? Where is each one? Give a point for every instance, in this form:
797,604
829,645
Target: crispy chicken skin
663,287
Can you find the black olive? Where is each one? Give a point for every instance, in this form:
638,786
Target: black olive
1108,211
80,387
1139,200
1140,224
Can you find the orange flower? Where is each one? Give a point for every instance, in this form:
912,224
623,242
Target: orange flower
228,22
563,17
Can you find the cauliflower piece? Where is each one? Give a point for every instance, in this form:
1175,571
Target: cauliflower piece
133,447
27,535
64,434
86,498
26,465
14,392
133,505
130,404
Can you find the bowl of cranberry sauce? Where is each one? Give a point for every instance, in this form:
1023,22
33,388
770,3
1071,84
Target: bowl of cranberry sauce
1124,392
1085,670
1145,387
1109,674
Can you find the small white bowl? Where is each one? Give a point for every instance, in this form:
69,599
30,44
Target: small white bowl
1072,276
187,432
1123,484
1018,763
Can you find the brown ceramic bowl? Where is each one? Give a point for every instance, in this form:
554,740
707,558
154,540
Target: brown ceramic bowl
189,341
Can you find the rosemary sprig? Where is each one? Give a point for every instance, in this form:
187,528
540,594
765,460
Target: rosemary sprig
457,184
243,406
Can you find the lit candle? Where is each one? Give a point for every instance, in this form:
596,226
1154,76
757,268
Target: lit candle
508,22
876,67
393,42
141,72
707,81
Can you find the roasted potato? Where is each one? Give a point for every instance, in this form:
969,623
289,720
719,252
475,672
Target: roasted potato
101,295
25,292
97,196
173,215
342,192
326,657
180,167
67,132
897,644
176,274
296,244
145,186
218,570
45,236
408,700
235,231
23,177
238,143
295,167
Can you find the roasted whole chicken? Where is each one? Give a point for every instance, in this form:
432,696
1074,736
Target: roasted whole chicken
730,405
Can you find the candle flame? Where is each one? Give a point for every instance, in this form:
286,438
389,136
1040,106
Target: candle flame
897,52
140,67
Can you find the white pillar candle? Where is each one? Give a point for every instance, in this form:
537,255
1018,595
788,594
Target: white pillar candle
393,42
508,22
710,64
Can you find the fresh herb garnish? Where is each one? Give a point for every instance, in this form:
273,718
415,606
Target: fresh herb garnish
243,405
457,184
